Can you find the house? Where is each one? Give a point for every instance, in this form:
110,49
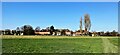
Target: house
42,33
68,33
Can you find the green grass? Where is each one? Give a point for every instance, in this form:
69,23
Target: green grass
114,41
66,45
53,45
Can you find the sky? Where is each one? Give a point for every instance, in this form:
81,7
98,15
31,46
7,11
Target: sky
62,15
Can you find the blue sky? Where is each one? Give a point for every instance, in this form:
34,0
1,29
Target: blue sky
103,15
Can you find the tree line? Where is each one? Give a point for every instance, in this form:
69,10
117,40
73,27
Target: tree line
28,30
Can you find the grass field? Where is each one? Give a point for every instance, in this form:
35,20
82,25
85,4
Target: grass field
59,44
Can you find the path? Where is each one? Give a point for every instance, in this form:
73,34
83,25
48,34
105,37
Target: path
109,47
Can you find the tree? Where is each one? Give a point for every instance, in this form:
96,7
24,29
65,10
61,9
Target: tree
51,30
7,32
81,25
87,22
0,32
17,31
13,32
114,33
27,30
37,29
63,32
47,29
107,33
3,32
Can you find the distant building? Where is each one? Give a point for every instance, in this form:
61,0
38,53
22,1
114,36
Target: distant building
42,33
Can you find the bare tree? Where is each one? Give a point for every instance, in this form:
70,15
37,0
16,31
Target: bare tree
48,29
81,24
37,29
17,31
87,22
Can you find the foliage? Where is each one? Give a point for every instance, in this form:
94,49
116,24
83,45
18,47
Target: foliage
13,32
63,32
7,32
51,30
27,30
